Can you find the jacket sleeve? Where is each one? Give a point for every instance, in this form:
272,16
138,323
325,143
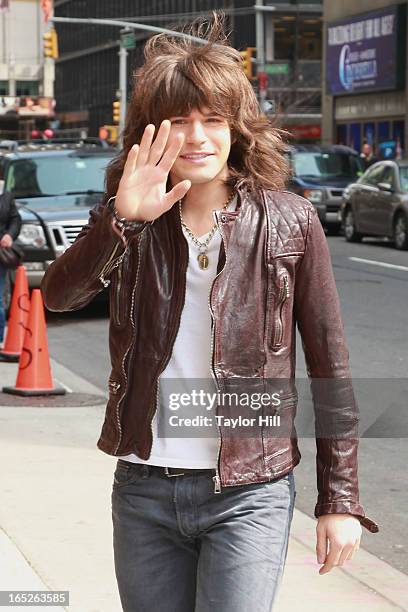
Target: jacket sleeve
14,220
82,271
318,315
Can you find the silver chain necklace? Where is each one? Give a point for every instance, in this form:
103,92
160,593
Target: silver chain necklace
202,257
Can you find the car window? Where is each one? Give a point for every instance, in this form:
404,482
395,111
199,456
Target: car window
373,175
389,176
326,165
404,177
56,175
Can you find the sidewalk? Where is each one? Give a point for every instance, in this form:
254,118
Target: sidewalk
55,522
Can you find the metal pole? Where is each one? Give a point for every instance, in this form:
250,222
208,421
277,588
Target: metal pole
260,48
122,88
128,24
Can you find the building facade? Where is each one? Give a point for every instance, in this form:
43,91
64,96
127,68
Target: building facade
365,75
26,80
87,71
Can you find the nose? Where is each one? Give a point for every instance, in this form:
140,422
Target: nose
196,132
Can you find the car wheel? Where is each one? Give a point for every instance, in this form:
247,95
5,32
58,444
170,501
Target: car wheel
401,232
350,233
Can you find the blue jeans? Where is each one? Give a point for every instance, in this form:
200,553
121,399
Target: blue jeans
3,273
180,547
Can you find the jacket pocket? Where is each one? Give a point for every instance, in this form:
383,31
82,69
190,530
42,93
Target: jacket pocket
278,313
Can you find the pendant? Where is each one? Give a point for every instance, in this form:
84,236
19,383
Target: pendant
202,261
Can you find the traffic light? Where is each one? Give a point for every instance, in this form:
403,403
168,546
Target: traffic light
109,133
50,40
246,56
116,111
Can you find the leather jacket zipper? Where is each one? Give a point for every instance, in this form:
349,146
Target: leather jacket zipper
117,296
107,268
278,327
125,376
216,478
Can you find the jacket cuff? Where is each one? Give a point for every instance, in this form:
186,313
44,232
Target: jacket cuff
347,507
127,231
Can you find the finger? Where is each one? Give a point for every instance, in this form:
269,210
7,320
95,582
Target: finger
177,193
159,144
332,559
345,553
145,144
171,154
321,546
131,161
354,550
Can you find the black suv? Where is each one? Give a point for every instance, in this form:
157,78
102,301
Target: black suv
320,174
54,186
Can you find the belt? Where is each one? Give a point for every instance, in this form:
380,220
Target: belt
171,471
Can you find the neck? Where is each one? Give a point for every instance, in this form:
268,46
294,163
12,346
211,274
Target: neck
201,199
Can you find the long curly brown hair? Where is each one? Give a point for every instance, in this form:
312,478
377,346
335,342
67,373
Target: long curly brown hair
180,75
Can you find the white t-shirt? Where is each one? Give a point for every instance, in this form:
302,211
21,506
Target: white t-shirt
190,359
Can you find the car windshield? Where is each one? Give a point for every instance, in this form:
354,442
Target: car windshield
57,175
404,177
327,165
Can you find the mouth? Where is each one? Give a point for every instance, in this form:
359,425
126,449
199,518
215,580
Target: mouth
196,156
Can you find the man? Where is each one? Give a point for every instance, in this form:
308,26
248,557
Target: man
10,225
210,264
367,155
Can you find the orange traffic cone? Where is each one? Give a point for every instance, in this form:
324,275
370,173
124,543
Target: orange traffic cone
17,322
34,370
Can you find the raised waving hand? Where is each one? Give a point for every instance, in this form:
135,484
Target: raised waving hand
141,194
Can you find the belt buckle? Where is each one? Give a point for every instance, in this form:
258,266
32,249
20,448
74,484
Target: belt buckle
166,471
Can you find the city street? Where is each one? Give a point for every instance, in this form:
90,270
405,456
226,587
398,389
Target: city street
187,160
372,298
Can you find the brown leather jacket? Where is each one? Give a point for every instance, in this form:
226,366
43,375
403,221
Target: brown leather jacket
274,271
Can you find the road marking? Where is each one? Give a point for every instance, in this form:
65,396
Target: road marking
380,263
64,385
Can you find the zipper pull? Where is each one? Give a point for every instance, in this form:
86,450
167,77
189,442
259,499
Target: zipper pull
217,484
105,282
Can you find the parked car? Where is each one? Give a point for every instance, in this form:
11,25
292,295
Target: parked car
320,174
377,204
54,186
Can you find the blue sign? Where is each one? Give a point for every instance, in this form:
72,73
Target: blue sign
361,53
387,149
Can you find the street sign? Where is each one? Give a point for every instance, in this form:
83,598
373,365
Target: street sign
277,68
128,40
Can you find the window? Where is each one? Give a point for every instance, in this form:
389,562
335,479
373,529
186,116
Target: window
56,175
404,177
26,88
373,175
389,176
326,165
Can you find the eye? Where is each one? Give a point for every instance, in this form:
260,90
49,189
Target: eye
216,119
177,121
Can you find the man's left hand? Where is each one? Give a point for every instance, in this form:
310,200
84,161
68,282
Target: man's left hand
343,534
6,241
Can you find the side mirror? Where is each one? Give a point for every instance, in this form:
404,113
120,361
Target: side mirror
385,187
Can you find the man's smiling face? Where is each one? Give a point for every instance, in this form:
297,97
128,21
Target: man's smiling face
206,148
